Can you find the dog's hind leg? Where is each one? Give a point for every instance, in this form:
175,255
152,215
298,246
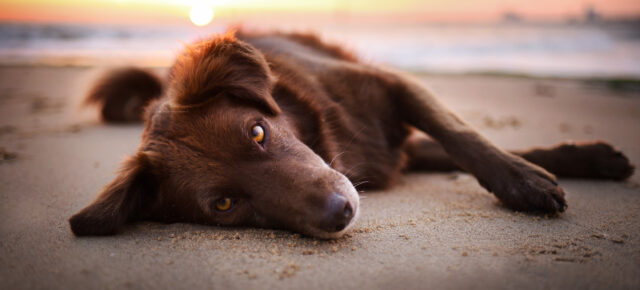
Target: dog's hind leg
595,159
518,183
425,154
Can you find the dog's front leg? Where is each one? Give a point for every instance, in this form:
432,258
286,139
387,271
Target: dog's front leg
518,183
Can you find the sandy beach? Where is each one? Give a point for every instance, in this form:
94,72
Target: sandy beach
431,231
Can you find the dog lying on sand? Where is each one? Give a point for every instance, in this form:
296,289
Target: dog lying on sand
279,130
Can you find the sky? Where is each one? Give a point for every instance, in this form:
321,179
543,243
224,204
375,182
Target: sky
177,11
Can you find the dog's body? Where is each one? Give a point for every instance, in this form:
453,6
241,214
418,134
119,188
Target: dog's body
274,130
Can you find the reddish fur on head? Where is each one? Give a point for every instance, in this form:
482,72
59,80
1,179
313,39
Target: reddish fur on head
222,64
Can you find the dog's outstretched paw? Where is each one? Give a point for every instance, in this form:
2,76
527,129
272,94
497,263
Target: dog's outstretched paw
606,161
523,186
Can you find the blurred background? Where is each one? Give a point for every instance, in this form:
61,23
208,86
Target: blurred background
549,38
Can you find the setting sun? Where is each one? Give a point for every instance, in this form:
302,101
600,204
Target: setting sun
201,14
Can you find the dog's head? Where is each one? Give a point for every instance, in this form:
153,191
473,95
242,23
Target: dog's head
219,150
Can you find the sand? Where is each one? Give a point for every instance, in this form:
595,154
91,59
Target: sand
431,231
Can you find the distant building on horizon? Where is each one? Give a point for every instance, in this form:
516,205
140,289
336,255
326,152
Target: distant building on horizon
511,17
591,15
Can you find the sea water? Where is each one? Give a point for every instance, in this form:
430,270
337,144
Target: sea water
543,49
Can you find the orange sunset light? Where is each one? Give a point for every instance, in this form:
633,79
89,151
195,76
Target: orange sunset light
201,12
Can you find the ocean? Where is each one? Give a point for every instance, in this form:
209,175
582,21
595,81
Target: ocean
548,50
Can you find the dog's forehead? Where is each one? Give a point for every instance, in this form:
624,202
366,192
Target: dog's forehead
218,115
212,134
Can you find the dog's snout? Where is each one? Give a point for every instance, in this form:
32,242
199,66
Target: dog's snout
339,213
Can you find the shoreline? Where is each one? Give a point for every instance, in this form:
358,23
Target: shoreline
616,83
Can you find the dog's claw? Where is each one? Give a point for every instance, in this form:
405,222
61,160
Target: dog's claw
528,188
559,201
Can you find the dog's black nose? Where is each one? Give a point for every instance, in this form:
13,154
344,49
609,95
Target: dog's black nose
338,214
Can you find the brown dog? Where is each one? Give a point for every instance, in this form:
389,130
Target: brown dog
278,130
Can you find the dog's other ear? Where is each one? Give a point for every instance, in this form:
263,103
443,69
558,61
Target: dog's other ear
121,201
222,65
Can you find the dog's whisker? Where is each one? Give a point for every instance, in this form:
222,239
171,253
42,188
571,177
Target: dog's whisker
334,158
354,136
348,172
360,183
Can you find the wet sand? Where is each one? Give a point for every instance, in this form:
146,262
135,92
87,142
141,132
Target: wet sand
430,231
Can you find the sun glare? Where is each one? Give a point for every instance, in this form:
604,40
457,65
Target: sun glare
201,14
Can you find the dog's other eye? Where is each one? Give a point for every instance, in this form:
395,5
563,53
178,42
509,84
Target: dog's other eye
224,204
257,133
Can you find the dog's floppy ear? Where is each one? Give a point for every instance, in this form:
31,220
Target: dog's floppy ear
222,65
120,201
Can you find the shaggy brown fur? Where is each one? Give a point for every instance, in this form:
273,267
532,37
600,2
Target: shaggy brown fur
331,124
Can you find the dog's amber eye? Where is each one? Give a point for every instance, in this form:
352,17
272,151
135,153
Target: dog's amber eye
257,133
223,204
